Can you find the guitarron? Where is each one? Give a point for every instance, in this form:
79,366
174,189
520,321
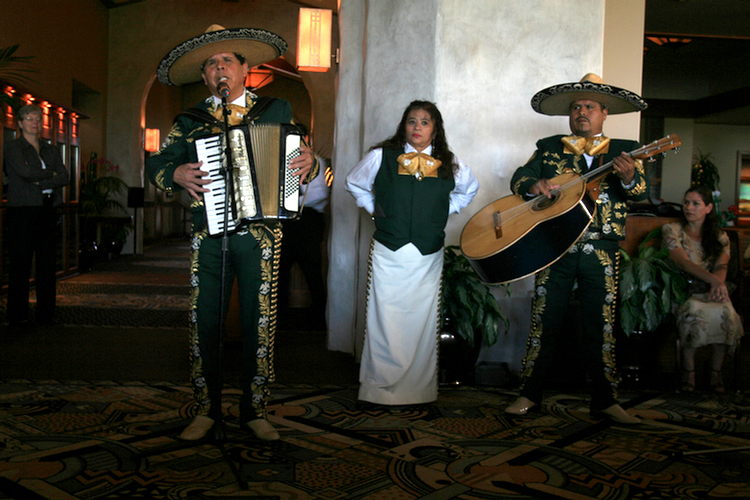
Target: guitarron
513,237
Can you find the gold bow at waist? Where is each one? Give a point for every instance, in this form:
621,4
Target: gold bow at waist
419,165
592,146
237,113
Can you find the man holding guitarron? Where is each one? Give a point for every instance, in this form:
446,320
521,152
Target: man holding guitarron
592,261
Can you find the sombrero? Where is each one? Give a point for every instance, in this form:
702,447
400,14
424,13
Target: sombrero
556,100
183,63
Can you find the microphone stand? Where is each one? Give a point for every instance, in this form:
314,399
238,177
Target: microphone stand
218,436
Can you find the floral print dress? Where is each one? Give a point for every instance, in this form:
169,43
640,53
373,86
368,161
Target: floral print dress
699,321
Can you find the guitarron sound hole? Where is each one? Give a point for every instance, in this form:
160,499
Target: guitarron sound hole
543,203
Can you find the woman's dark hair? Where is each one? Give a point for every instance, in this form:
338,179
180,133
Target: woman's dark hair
712,247
440,149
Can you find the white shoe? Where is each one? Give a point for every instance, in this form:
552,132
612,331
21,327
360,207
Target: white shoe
262,429
617,414
197,429
520,406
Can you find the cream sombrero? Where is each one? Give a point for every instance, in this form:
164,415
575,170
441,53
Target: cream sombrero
556,100
183,63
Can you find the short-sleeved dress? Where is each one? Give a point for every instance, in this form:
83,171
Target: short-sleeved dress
699,321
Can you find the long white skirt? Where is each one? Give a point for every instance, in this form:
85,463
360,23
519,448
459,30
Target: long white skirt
399,358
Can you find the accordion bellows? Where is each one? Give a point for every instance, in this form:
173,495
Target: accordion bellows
262,185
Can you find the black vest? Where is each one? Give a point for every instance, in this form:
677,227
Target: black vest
409,210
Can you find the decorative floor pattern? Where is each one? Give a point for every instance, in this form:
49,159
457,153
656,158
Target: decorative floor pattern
128,291
109,440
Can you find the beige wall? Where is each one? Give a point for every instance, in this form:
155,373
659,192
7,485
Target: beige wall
723,142
623,58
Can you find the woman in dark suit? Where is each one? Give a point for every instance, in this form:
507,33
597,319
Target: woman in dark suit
35,172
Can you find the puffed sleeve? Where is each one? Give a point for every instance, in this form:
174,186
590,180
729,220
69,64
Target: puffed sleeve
466,187
724,240
670,236
361,178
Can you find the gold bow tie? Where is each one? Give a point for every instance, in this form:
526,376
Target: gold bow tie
237,113
592,146
419,165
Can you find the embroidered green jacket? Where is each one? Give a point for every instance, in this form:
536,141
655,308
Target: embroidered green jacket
550,160
179,147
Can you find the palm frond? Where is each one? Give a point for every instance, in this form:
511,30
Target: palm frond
15,69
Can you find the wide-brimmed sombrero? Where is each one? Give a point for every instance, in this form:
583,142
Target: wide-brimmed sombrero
556,100
182,64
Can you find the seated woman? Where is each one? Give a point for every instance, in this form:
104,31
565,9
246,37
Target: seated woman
701,250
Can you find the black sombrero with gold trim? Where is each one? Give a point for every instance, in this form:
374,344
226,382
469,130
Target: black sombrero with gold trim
556,100
183,63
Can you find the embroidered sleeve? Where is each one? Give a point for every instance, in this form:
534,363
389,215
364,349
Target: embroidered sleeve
637,190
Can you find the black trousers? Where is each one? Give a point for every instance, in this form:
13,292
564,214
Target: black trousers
31,237
253,260
302,244
594,266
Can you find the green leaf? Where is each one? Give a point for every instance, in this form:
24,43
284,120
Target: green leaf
644,274
467,302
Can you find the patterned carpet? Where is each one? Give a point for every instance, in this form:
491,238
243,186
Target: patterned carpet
74,424
118,441
128,291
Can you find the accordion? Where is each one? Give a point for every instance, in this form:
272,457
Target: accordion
263,186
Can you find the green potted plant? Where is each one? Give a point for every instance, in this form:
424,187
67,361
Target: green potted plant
470,314
704,171
650,286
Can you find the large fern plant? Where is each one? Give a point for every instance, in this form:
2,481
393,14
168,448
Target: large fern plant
650,286
468,304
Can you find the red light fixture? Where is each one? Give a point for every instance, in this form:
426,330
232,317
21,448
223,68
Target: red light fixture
151,140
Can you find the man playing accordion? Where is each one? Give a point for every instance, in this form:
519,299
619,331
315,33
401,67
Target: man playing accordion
221,57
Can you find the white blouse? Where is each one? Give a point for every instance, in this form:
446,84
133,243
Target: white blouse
361,178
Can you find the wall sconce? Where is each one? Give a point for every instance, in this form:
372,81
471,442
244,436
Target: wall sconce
151,140
258,77
314,40
61,125
46,132
74,126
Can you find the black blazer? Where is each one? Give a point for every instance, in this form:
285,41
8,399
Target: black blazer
26,177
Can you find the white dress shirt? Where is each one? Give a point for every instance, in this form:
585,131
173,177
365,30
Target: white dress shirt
361,178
